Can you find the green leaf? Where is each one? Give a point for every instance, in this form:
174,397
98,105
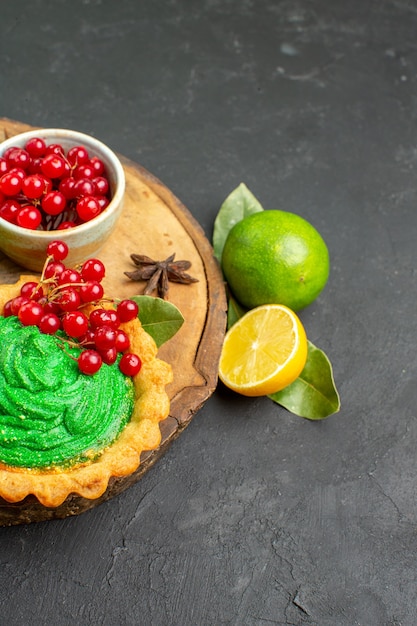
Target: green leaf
234,311
160,319
239,204
313,395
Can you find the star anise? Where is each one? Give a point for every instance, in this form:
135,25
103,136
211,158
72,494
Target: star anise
159,273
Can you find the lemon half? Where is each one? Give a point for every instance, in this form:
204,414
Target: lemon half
264,351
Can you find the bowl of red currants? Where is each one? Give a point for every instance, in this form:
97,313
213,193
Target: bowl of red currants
57,184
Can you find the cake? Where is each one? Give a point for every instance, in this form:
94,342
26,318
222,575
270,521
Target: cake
62,432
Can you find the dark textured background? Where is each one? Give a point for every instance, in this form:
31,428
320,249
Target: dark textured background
254,516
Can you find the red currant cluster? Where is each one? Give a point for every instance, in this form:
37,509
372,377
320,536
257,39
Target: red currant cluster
55,304
43,187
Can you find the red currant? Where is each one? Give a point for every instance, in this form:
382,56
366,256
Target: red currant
7,152
127,310
69,299
29,217
54,148
48,183
87,340
18,171
103,202
54,269
32,290
102,185
33,186
93,269
58,249
104,317
10,184
109,356
97,318
77,155
113,318
65,225
16,303
75,323
36,147
84,171
52,307
35,166
53,165
30,313
9,210
89,362
130,364
18,157
87,208
67,187
69,276
122,340
91,291
7,309
54,202
84,187
98,166
4,166
105,337
49,324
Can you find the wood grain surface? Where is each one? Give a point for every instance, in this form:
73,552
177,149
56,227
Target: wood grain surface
154,222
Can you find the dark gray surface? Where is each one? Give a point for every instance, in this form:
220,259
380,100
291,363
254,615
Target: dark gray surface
254,516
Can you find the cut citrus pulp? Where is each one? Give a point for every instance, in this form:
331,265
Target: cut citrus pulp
264,351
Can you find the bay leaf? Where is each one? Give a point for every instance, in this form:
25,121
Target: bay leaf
313,394
161,319
239,204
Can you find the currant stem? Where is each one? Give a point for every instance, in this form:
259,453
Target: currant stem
42,279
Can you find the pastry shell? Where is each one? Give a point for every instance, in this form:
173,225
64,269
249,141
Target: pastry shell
90,480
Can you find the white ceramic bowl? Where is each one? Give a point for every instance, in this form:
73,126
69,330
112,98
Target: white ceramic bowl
27,247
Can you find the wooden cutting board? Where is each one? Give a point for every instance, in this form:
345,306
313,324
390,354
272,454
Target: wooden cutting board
154,222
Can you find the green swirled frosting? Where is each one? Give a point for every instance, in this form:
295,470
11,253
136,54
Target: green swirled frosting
50,413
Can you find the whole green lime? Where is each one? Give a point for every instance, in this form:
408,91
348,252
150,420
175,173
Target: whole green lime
275,257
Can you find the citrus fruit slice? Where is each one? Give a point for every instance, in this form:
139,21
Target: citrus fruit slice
275,257
264,351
